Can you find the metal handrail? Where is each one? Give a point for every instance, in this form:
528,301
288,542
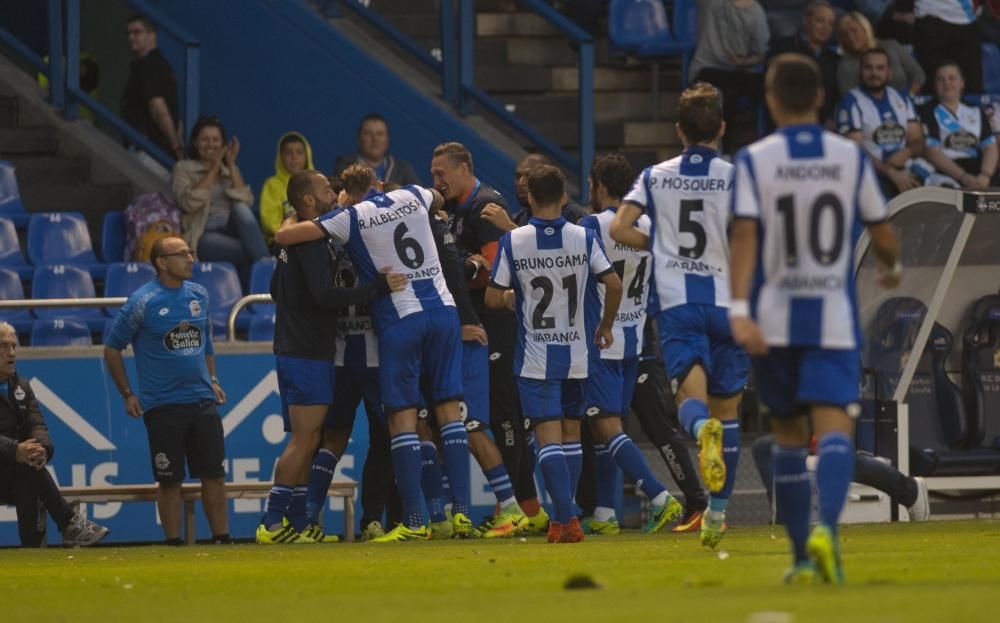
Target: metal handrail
238,306
111,301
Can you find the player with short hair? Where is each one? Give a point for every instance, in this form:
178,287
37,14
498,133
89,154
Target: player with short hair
418,328
613,371
687,199
800,198
543,271
307,299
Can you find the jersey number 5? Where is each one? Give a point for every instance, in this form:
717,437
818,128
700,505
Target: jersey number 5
692,227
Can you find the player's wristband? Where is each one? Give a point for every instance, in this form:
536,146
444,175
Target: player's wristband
896,270
215,380
126,394
739,309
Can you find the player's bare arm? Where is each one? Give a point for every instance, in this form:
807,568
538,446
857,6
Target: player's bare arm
743,253
498,217
623,227
498,298
886,247
612,299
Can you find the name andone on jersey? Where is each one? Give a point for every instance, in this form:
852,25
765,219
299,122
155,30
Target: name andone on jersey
687,201
633,267
392,230
810,189
550,264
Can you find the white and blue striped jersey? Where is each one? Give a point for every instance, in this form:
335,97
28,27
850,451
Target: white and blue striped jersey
392,230
632,266
550,264
357,345
811,191
882,121
687,200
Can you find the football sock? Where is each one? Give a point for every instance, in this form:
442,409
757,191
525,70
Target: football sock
296,512
556,474
607,478
500,483
717,502
793,496
430,481
604,513
834,471
405,451
574,463
630,459
455,451
277,505
693,414
320,477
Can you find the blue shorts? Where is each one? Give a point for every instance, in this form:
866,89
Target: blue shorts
354,385
697,334
304,381
553,399
424,348
475,404
609,388
790,379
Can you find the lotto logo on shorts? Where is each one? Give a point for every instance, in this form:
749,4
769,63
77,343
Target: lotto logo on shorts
161,461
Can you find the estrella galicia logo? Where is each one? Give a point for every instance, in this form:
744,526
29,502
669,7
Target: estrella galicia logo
889,134
185,337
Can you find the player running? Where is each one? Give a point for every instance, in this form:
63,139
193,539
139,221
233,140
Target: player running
800,199
687,200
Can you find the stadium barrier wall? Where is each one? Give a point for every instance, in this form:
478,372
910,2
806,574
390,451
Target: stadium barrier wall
98,444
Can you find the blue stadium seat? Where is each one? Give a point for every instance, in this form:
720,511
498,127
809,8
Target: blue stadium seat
124,278
63,281
60,332
10,250
223,285
260,283
640,27
113,237
10,196
62,238
11,289
991,68
261,328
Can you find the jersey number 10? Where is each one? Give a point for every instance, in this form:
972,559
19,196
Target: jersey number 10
827,202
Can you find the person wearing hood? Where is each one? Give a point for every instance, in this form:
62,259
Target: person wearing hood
294,154
373,150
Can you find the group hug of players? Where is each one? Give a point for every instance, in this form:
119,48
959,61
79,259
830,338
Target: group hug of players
448,307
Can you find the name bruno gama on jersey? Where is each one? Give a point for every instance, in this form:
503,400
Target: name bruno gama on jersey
551,261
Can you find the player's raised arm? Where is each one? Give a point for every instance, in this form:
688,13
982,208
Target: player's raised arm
623,227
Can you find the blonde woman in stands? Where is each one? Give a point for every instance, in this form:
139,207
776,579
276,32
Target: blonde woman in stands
216,201
856,37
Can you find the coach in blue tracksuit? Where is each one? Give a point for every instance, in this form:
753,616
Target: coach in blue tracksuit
167,323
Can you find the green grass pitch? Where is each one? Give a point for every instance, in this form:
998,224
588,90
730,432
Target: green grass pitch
940,572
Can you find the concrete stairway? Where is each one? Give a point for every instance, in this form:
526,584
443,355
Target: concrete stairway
531,67
50,181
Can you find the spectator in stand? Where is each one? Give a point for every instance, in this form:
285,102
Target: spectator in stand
883,121
294,154
149,102
857,37
813,40
960,140
732,41
215,200
783,17
893,19
946,29
25,449
373,150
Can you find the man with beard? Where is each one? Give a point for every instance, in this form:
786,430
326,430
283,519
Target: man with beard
884,122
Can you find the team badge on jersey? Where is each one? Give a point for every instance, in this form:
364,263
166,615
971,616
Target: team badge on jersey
195,307
19,394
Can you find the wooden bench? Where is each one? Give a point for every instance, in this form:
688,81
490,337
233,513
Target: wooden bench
190,492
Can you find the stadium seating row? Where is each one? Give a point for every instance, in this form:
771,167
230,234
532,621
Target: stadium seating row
954,430
74,326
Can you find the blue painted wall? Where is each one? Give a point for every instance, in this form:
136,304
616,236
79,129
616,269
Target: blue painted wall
270,66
